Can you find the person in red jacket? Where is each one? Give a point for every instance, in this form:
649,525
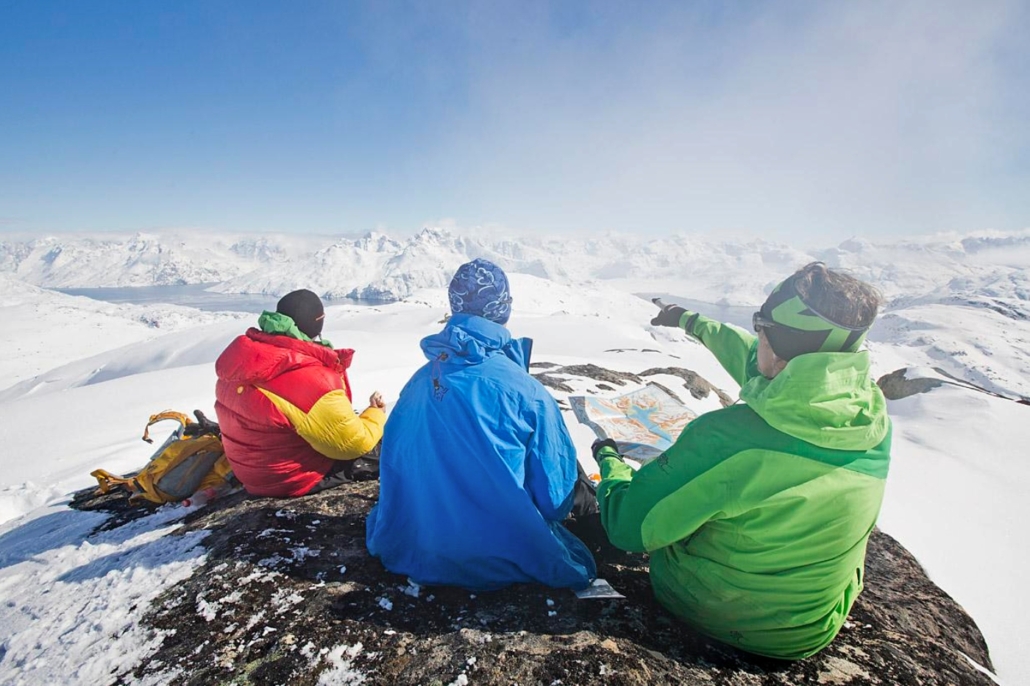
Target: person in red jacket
284,404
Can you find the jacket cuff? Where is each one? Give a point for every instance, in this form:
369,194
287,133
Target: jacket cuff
687,321
611,466
374,414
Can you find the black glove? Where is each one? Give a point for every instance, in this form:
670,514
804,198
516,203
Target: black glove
669,316
605,443
202,426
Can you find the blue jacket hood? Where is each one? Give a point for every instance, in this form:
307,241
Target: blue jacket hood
468,339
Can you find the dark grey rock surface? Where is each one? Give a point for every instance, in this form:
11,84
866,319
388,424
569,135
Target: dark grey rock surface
289,595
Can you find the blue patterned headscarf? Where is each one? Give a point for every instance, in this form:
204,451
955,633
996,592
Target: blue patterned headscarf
480,287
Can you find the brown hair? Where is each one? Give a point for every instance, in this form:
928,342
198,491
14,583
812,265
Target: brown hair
837,296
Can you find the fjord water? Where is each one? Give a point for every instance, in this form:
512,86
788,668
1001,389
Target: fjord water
193,295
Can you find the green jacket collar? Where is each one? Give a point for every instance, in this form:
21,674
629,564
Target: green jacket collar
827,399
283,325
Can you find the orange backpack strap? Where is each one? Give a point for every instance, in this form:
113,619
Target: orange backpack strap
160,417
107,481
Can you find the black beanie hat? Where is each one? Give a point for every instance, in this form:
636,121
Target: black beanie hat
305,309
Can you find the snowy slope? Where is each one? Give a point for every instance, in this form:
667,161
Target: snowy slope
981,345
956,498
43,329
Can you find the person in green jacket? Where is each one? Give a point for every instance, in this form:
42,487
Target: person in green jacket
756,520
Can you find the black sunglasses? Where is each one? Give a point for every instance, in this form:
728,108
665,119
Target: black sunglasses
759,322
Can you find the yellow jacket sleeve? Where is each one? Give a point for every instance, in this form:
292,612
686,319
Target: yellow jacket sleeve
331,427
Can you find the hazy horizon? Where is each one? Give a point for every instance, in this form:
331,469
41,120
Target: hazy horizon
795,122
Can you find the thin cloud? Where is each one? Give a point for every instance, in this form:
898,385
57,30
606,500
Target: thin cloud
836,118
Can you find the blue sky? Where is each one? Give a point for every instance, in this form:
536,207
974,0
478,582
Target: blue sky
789,120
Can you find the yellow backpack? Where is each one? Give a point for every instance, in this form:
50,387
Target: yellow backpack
190,460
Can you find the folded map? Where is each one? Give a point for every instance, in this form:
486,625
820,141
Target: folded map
644,422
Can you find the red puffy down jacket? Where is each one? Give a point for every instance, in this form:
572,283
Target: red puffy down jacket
285,411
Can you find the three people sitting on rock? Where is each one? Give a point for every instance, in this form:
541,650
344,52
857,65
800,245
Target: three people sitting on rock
756,520
284,404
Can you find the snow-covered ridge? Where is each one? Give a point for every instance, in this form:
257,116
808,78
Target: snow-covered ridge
378,267
144,259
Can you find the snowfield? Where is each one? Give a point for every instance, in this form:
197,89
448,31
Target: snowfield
79,378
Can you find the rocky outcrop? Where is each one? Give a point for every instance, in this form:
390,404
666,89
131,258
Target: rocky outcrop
555,377
698,386
904,382
896,386
288,594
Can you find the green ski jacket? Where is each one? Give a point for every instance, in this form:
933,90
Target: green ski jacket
756,520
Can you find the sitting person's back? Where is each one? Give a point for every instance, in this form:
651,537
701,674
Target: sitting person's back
756,520
477,467
284,404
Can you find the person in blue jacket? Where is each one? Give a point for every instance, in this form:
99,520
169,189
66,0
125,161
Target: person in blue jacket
477,470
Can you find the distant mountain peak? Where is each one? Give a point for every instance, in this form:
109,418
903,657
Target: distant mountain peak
434,233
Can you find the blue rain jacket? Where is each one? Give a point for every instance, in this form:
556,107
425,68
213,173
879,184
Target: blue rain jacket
477,470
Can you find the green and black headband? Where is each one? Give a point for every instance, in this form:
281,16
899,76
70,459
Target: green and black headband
794,327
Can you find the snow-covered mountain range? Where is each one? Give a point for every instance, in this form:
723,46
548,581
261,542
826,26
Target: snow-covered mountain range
989,269
981,280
